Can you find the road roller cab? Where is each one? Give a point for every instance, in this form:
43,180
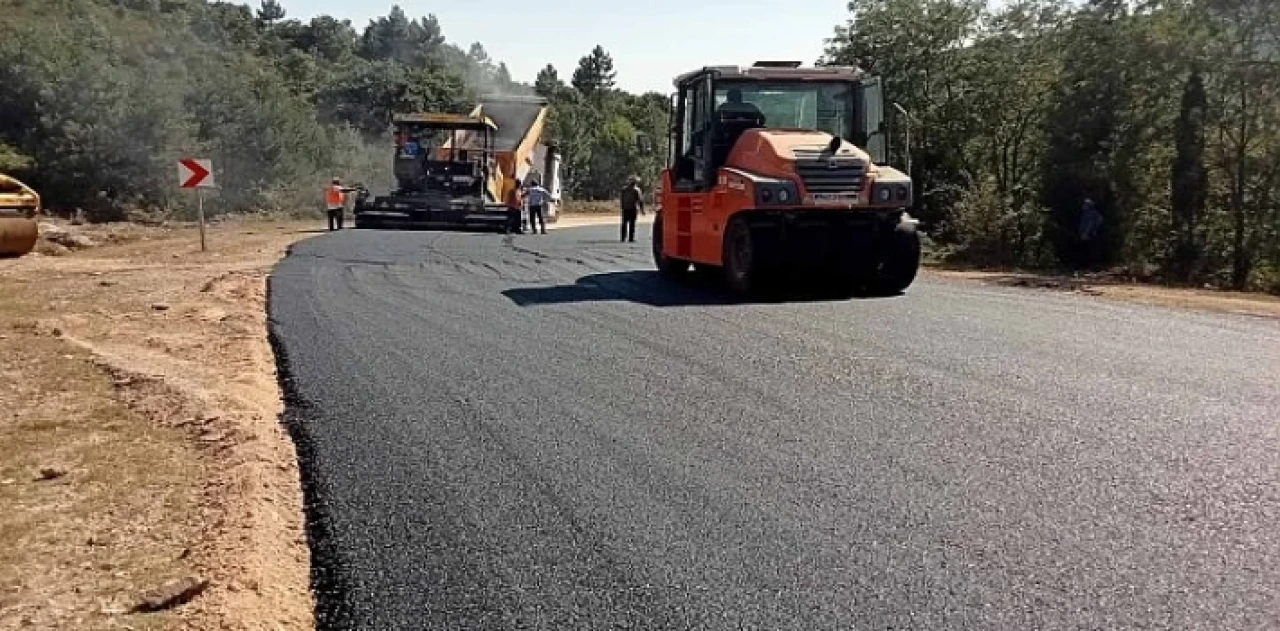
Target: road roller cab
19,207
780,172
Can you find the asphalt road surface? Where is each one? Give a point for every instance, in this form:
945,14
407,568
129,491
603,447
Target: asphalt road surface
537,432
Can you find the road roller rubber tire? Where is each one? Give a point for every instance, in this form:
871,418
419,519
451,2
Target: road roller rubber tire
901,261
741,265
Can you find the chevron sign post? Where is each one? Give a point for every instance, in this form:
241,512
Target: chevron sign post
197,174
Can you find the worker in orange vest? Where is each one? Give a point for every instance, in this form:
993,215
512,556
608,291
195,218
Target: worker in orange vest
515,208
335,202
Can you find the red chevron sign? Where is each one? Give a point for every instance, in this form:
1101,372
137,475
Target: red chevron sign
194,173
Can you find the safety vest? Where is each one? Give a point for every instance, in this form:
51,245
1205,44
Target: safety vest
333,197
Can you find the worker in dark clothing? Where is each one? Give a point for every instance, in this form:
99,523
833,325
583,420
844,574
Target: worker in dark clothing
1089,234
632,203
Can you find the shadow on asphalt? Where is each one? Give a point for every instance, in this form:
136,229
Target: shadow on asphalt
652,289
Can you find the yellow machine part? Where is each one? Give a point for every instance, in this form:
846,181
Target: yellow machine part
19,207
17,236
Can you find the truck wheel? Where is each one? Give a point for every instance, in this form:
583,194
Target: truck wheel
900,262
667,266
741,265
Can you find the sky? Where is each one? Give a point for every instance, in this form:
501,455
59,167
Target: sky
651,41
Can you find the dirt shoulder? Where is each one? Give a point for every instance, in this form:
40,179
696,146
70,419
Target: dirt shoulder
599,219
1216,301
140,414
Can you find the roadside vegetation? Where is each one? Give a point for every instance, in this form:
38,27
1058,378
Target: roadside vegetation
1166,112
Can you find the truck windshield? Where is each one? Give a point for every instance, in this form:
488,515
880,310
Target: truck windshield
794,105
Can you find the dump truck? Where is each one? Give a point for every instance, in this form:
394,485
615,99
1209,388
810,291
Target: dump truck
19,209
778,172
520,152
455,170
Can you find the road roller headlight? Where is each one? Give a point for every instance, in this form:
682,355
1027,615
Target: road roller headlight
776,193
896,193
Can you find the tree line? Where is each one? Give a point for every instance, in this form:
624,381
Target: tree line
604,135
1166,113
101,97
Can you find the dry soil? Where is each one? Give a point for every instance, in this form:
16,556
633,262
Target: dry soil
139,412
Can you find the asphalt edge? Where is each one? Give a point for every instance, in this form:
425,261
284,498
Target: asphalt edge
328,587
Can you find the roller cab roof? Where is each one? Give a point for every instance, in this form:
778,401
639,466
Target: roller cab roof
776,71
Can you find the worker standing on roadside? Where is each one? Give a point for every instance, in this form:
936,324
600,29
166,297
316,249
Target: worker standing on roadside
537,198
335,202
514,209
1088,233
632,203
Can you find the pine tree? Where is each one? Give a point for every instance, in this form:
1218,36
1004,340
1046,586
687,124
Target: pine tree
595,72
479,55
270,12
503,76
548,82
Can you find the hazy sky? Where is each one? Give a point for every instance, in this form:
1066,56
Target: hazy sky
651,41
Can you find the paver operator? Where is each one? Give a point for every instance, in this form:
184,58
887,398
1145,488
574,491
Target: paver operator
335,202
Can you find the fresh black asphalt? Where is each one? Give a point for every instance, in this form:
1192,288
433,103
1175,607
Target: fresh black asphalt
538,432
